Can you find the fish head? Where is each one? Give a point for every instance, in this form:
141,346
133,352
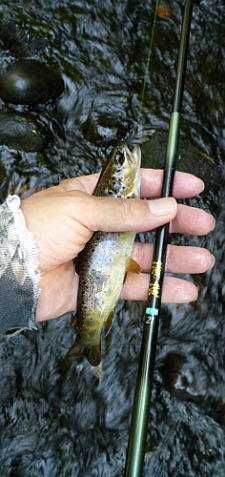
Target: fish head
121,175
132,163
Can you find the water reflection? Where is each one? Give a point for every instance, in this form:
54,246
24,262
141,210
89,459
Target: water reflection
76,425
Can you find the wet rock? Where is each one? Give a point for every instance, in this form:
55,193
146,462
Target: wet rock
21,40
191,159
29,82
23,132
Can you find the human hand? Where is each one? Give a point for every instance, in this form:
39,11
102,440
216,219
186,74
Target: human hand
63,218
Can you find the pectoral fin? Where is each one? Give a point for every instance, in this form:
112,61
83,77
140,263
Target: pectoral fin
132,266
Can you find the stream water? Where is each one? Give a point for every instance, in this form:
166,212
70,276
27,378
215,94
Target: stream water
75,425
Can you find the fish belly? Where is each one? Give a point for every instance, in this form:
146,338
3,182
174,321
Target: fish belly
101,279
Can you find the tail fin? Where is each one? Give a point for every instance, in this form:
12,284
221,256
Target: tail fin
92,353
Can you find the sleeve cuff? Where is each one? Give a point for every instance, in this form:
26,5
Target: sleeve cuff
19,274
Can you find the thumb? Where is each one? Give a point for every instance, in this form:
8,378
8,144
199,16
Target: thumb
110,214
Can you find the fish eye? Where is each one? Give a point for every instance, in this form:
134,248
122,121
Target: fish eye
120,158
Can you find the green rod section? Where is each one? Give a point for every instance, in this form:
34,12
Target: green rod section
140,415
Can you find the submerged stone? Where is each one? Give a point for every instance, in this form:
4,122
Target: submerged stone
23,132
29,82
20,40
190,159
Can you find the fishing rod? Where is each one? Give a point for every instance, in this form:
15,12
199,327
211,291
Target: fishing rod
139,423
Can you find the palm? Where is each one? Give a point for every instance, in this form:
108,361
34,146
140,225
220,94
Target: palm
58,287
62,219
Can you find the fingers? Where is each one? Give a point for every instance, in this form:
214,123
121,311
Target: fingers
175,290
190,220
185,185
178,259
59,287
84,183
120,215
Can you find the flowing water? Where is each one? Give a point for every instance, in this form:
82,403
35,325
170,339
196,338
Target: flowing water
75,425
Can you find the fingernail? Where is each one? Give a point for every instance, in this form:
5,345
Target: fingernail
213,224
162,207
213,261
203,186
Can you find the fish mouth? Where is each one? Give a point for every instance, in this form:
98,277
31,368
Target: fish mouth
135,156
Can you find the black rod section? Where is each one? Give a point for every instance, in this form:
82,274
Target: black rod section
142,397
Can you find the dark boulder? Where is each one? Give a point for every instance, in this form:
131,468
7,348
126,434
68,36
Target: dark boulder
23,132
29,82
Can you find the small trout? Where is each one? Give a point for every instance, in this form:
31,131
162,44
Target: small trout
105,259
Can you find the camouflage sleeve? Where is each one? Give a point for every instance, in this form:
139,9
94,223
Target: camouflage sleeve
19,275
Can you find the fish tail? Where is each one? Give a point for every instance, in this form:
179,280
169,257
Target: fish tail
92,353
